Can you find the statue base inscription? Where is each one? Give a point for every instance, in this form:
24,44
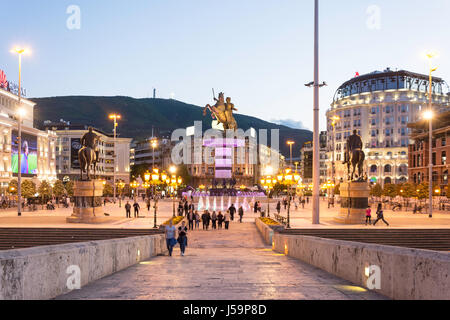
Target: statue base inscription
354,202
88,203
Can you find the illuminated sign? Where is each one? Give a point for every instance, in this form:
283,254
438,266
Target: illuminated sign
3,81
10,86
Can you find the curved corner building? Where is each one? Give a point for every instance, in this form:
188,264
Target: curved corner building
379,105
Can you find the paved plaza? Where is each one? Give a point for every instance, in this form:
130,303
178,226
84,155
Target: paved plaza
300,218
222,265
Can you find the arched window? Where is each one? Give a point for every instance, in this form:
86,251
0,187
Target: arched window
387,168
387,180
415,178
373,169
403,169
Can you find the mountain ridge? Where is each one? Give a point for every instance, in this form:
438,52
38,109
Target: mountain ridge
139,115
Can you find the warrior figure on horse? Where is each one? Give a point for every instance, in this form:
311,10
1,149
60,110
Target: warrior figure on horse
354,156
223,112
88,154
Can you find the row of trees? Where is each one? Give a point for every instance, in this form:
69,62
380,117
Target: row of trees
44,191
405,190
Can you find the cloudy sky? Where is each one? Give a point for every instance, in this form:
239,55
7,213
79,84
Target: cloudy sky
259,52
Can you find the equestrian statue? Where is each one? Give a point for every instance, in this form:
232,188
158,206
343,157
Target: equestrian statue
88,154
222,112
354,157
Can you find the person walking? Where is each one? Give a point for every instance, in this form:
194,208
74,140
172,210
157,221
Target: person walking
182,237
226,219
255,208
285,203
186,208
170,237
128,209
148,204
136,209
279,207
208,217
232,211
220,219
214,220
197,220
368,215
180,208
380,215
191,218
241,213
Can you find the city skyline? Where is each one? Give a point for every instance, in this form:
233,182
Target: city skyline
261,56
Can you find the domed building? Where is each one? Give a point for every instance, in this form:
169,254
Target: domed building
379,106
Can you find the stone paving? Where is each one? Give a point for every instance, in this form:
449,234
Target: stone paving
222,265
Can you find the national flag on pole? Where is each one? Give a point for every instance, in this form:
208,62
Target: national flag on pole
356,74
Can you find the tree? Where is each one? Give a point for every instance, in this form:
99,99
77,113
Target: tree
422,191
138,171
448,192
69,188
184,174
12,187
45,190
108,190
390,190
376,191
337,189
58,189
28,189
407,191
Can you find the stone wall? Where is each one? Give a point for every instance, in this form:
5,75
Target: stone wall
266,231
405,273
40,272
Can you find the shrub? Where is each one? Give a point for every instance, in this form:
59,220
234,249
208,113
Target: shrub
269,221
175,221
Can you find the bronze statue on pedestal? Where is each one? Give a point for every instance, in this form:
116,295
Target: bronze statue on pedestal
88,154
354,157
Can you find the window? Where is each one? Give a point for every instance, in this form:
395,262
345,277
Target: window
373,169
434,158
444,157
387,168
443,142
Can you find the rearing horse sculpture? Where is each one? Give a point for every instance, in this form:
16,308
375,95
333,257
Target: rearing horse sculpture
88,154
354,156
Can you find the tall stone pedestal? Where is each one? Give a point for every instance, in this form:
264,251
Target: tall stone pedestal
354,202
88,202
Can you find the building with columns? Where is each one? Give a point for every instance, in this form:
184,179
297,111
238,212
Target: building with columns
38,147
379,106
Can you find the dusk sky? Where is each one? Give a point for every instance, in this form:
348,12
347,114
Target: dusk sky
259,52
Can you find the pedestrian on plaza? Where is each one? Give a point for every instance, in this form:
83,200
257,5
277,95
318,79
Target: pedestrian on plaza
220,219
368,215
259,206
380,215
191,206
186,208
214,220
180,209
241,213
279,206
104,202
209,219
197,220
307,200
136,209
191,218
232,211
285,203
256,207
128,209
171,241
303,203
148,204
182,237
226,219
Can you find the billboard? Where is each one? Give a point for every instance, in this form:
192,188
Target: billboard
75,146
28,156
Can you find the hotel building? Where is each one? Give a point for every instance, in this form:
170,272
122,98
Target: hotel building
38,157
379,106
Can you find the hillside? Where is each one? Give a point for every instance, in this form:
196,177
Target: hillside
139,115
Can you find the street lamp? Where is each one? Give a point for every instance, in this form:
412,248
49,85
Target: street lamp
115,117
428,115
20,113
290,143
289,179
154,145
174,182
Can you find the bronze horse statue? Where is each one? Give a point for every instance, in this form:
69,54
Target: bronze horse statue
87,158
355,159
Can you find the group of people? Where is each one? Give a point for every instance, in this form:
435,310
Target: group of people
171,240
379,213
216,220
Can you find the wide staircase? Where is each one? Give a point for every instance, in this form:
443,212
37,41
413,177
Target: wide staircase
430,239
17,238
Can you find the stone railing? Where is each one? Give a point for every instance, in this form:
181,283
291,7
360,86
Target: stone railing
405,273
48,271
267,231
